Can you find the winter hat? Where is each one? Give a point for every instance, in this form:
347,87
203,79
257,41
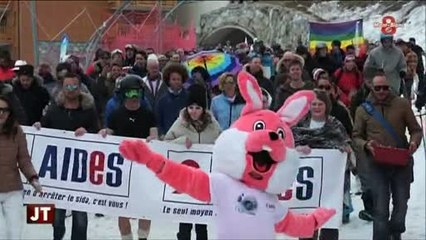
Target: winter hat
26,70
302,50
116,51
400,42
197,95
336,43
152,58
321,45
317,73
386,36
18,64
299,58
349,58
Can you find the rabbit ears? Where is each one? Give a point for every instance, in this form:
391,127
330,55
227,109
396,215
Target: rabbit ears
294,108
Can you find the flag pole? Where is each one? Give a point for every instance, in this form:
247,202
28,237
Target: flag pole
357,50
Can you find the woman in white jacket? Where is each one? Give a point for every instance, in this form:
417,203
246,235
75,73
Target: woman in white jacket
195,124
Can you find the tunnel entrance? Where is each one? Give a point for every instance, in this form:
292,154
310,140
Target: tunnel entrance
233,34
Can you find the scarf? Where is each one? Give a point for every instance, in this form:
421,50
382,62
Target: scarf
332,135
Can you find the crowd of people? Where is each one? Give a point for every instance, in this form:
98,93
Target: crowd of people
143,94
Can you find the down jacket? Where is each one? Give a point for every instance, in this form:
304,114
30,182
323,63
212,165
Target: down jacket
182,128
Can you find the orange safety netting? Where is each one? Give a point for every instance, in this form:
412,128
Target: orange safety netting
148,33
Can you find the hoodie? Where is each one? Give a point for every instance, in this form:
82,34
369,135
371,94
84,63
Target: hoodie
392,61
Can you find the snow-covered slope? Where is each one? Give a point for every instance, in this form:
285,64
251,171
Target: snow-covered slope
411,14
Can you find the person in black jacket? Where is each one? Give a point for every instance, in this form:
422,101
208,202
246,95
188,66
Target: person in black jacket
33,97
6,89
255,69
140,64
130,51
323,59
337,53
74,111
310,63
131,119
420,54
201,76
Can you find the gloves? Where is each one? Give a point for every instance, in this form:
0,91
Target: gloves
402,74
36,185
138,151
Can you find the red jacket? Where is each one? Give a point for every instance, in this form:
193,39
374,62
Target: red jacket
6,74
347,82
90,69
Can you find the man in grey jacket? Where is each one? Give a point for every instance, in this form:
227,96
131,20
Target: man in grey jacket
389,59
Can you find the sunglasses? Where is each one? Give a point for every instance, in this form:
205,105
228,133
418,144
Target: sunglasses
70,88
324,87
379,88
4,110
134,93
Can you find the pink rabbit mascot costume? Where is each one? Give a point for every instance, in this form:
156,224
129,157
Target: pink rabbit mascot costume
255,160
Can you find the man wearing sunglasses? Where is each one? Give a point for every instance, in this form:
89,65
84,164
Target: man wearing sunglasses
388,179
74,111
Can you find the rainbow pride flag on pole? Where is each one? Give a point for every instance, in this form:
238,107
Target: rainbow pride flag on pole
325,32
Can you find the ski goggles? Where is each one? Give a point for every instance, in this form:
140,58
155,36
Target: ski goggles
133,93
70,87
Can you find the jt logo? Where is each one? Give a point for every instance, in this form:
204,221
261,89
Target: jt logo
40,213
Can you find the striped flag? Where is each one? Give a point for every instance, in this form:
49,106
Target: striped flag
347,32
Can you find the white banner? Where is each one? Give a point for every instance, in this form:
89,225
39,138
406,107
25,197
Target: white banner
88,174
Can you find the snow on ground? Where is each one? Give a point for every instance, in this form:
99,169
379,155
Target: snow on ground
106,227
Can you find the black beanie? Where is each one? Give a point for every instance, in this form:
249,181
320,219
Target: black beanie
27,70
197,95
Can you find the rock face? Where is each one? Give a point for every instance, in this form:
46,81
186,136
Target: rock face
267,22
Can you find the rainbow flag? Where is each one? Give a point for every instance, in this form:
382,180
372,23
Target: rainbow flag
347,32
